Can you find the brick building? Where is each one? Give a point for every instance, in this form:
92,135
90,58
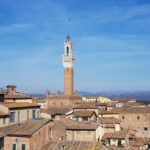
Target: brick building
69,98
85,116
30,135
70,130
15,112
137,118
11,95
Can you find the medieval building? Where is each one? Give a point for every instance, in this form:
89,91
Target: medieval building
69,98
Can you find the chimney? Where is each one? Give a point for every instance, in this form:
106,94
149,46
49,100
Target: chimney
11,89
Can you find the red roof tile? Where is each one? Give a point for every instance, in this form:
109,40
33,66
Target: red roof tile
83,113
13,105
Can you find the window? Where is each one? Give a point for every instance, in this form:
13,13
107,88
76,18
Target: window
27,114
14,147
67,51
145,128
119,142
4,120
122,117
33,113
138,117
85,118
18,116
38,114
23,147
50,133
12,116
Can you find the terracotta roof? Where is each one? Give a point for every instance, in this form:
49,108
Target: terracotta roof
116,135
101,104
61,110
2,134
74,125
12,105
135,144
2,114
27,128
17,96
83,113
108,126
109,120
73,145
85,106
145,109
107,112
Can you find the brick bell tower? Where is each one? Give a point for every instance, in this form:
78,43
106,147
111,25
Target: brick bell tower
68,63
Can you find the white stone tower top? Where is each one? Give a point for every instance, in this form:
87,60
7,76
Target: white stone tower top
68,58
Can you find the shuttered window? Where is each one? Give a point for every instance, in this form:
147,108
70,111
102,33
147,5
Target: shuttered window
23,147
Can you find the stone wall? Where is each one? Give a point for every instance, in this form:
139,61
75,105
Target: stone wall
138,121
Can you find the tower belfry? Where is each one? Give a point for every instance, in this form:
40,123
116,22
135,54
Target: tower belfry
68,63
69,98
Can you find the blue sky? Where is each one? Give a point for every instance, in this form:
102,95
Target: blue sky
111,44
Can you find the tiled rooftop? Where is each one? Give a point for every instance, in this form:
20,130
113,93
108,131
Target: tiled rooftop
132,110
76,145
85,106
13,105
108,120
107,112
74,125
24,129
116,135
2,114
61,110
83,113
17,96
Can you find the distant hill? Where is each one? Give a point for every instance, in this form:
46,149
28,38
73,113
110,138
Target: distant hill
138,95
143,96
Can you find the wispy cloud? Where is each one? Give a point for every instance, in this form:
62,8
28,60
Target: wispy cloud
111,38
15,27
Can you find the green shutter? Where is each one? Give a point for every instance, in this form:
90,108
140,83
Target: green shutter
23,147
14,146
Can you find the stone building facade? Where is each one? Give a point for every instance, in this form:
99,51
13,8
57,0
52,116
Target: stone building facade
69,98
16,112
68,63
30,135
11,95
137,118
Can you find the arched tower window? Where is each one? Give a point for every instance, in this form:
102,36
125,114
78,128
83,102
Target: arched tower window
67,50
